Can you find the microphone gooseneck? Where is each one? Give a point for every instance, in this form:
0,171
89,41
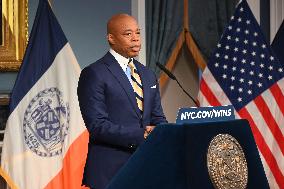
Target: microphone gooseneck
173,77
162,67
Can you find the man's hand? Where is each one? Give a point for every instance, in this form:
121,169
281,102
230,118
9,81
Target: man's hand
148,130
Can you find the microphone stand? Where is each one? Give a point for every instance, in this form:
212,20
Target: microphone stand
172,76
194,101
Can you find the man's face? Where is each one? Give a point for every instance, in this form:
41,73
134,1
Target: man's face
125,37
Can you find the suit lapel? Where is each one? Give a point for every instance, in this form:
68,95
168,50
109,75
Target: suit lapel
118,73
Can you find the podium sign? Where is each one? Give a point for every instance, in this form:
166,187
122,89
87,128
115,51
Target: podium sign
205,114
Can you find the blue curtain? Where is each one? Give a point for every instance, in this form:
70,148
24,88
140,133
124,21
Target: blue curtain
207,21
164,22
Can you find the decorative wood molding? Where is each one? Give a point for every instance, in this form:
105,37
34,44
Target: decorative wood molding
4,99
172,60
193,49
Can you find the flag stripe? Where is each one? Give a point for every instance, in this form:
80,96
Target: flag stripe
267,154
208,94
214,86
278,95
259,121
274,108
201,99
271,180
270,121
214,90
281,85
67,173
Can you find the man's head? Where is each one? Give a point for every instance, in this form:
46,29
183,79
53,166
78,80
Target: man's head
123,35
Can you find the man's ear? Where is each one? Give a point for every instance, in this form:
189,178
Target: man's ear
110,39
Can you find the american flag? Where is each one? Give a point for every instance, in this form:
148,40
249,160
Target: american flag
243,71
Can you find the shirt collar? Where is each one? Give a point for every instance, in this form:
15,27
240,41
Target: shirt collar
122,61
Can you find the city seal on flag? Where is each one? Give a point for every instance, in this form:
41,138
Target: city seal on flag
46,123
226,163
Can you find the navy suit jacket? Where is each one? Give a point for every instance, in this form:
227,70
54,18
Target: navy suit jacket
115,124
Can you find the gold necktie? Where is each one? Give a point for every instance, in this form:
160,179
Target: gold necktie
137,85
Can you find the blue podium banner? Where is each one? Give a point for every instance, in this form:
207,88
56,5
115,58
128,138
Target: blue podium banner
205,114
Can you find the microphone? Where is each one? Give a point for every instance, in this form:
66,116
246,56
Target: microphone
173,77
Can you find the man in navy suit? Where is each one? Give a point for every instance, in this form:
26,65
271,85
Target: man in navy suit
120,103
